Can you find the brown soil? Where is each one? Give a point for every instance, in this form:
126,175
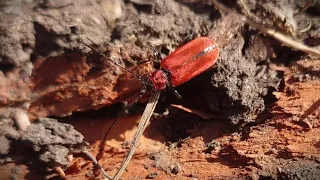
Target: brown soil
263,98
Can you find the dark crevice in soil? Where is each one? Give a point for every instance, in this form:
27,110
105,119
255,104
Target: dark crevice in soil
107,112
45,41
230,157
203,8
312,41
313,10
6,67
270,98
177,126
286,55
143,8
247,34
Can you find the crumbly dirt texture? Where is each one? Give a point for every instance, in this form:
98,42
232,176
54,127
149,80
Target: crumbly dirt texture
255,114
52,140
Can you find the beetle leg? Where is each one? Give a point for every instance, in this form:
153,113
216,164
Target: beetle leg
190,37
156,54
157,60
176,93
204,30
170,86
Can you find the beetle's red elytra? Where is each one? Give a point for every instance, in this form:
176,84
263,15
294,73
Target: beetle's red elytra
185,63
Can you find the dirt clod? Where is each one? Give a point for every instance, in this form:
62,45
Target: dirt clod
47,131
65,23
212,146
4,145
300,170
53,140
9,132
240,82
55,155
21,120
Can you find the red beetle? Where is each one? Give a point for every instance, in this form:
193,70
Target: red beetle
185,63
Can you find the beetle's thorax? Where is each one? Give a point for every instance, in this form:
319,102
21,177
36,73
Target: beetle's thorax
159,79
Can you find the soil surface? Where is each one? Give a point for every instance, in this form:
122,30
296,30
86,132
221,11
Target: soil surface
254,115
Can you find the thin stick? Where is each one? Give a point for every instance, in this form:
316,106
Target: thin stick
203,115
61,173
153,100
95,162
245,7
271,32
104,141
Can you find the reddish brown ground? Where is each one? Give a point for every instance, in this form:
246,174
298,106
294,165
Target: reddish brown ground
290,135
293,133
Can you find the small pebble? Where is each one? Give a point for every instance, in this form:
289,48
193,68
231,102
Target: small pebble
21,119
144,2
112,10
176,169
4,145
89,174
70,157
152,175
146,166
155,157
212,146
9,132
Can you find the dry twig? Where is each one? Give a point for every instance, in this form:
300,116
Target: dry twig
271,32
153,100
202,114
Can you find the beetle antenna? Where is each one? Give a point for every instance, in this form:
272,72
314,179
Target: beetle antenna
112,61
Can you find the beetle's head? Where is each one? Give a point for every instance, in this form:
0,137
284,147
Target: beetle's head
159,79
